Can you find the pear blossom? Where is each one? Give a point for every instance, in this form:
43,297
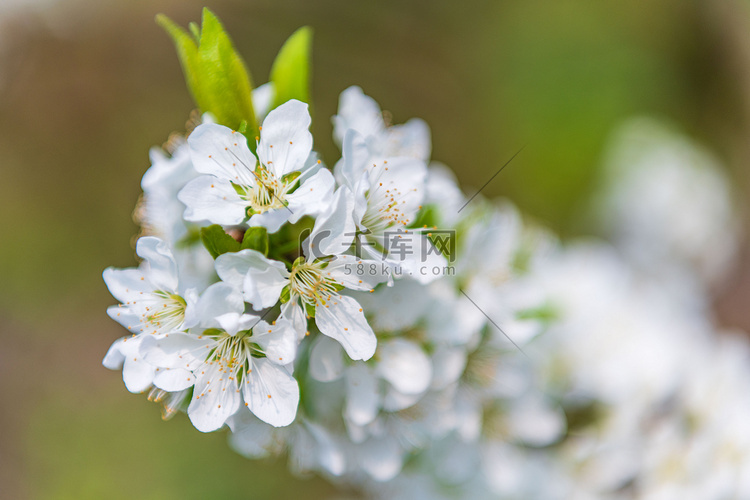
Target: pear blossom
314,282
283,184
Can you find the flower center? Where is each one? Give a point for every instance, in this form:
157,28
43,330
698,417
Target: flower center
385,203
267,192
232,353
163,311
311,284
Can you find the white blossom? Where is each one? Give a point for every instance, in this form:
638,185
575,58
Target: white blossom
283,184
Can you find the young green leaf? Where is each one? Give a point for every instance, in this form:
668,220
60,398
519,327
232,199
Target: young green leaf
290,73
225,76
187,52
215,73
217,241
256,238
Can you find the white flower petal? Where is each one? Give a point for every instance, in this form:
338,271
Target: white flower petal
272,220
176,350
215,399
405,365
254,274
410,139
126,284
334,230
219,151
398,307
536,421
358,112
296,316
279,341
403,179
126,317
250,436
397,401
328,455
232,322
271,393
423,262
382,458
159,264
363,397
285,138
263,289
326,360
114,357
218,299
137,374
357,274
342,319
208,198
173,380
313,195
449,363
353,163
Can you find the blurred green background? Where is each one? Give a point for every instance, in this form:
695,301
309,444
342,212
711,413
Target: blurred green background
86,89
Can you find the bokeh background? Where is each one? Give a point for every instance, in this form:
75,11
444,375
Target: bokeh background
87,87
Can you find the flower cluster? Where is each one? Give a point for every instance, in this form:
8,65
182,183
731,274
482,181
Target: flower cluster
653,396
368,287
386,331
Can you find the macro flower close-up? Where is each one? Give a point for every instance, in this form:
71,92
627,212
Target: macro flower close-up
364,251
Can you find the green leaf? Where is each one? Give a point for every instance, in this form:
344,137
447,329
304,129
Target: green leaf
217,241
195,30
215,73
187,52
290,73
256,238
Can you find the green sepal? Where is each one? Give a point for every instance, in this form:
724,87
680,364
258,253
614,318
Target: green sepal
310,310
215,73
290,73
290,177
427,216
298,262
286,294
256,351
212,332
240,190
217,241
256,238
